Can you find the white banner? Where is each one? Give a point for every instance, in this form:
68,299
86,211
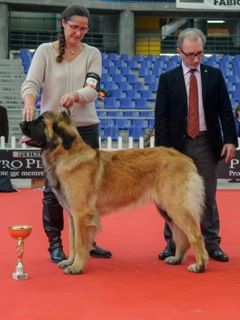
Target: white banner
227,5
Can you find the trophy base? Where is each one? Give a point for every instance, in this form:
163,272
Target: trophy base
20,276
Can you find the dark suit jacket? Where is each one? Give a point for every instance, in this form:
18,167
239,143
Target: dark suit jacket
4,130
171,110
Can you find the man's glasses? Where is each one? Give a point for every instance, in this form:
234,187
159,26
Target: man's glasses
76,28
192,55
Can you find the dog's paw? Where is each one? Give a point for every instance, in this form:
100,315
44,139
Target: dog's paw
65,263
196,268
73,270
173,260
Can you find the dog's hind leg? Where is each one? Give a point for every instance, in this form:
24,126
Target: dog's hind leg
190,227
85,226
196,240
182,244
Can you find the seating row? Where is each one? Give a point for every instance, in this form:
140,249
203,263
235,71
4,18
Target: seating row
114,132
136,76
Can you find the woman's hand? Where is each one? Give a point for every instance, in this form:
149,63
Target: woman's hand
28,113
69,99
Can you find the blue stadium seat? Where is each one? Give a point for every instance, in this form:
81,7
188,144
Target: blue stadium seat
117,93
114,113
132,94
171,65
141,103
135,132
110,103
126,103
118,78
146,94
230,86
139,58
111,131
119,64
131,114
104,123
125,71
106,77
146,114
112,71
125,57
149,79
143,72
236,95
113,56
153,86
138,86
101,113
133,65
236,66
124,86
146,64
150,123
123,123
107,63
141,123
157,70
132,78
26,57
109,85
234,79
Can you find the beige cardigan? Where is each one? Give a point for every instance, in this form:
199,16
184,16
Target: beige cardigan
57,79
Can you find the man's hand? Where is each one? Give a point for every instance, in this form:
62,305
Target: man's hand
229,151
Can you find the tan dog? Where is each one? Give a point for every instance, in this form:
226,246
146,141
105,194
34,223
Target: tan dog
89,183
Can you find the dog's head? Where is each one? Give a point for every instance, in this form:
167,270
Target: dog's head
49,130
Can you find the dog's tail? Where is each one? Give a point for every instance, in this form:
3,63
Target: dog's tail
194,198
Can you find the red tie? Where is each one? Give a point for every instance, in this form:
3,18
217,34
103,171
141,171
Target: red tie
193,111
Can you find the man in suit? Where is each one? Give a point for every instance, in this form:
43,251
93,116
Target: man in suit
4,130
215,136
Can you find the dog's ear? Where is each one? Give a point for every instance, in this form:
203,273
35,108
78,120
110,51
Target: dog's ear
63,129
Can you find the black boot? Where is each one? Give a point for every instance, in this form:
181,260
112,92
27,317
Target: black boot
98,252
55,248
53,224
170,248
168,251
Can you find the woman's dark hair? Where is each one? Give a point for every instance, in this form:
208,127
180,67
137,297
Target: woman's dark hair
67,14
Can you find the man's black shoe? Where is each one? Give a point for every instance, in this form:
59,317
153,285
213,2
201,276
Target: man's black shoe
218,254
167,252
98,252
57,254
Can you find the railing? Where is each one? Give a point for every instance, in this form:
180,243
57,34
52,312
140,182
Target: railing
109,42
108,145
31,39
214,45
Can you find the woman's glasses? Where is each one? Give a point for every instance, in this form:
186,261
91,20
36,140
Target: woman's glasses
76,28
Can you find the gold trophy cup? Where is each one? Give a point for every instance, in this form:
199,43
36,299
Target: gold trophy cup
20,232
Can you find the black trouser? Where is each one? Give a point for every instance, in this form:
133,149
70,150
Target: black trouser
200,151
52,211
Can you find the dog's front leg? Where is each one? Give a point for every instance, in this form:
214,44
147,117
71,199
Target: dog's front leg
84,226
65,263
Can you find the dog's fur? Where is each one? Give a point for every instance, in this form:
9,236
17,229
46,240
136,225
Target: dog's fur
89,183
